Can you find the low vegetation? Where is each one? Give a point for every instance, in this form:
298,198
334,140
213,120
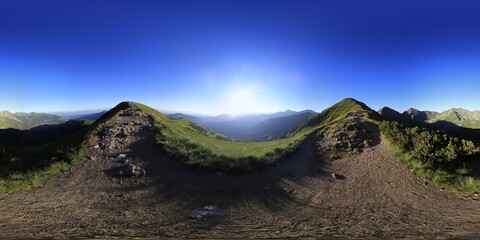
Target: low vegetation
26,167
203,149
22,168
336,113
450,162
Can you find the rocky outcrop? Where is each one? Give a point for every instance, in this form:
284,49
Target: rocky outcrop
350,135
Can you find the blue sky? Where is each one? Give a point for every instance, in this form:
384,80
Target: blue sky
238,56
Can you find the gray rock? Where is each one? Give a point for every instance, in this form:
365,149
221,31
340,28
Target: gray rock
206,213
131,170
337,176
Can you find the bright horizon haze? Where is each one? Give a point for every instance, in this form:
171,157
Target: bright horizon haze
213,57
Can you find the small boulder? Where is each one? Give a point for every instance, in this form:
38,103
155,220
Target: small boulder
131,170
337,176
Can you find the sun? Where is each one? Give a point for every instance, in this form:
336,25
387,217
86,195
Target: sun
241,100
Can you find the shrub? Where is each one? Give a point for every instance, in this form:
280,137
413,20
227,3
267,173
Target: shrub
446,160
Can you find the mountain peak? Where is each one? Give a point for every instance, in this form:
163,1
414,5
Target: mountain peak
413,111
352,104
338,112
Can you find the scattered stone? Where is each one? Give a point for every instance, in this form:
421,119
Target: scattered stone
90,158
96,146
206,213
122,155
131,170
266,188
337,176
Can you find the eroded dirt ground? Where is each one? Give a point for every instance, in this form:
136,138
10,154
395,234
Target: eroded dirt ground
297,198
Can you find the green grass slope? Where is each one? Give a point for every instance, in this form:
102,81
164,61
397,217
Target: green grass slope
334,114
203,149
27,120
449,162
31,164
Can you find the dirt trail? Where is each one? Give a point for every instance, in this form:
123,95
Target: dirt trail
297,198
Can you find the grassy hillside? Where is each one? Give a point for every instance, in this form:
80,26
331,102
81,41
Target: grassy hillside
252,127
27,120
334,114
449,162
209,152
201,148
32,163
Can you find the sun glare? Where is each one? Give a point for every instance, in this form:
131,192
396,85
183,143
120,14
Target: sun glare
241,100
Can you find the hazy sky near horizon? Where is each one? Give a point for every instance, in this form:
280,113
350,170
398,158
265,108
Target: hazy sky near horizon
238,56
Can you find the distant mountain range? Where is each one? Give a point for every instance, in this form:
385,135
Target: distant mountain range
254,127
91,116
28,120
455,117
261,127
81,115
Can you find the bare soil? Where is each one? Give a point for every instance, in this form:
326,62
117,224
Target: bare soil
374,197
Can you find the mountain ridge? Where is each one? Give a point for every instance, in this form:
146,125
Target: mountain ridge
459,117
249,127
23,121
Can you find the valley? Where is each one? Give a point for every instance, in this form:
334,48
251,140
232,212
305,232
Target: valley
209,119
361,191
